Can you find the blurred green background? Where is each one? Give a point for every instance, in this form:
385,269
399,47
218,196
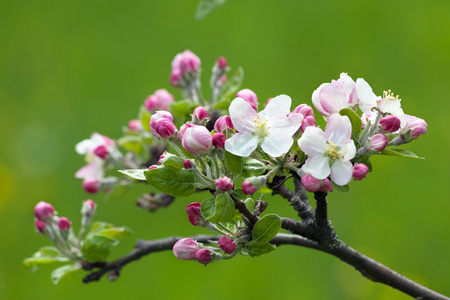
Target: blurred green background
69,68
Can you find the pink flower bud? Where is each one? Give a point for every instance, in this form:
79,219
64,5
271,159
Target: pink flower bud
249,96
89,207
43,211
222,63
227,245
194,213
203,256
415,125
153,167
222,123
176,77
187,164
135,125
224,184
40,226
201,113
390,123
197,140
63,224
183,129
308,121
186,61
222,79
186,249
101,151
248,188
161,124
360,171
378,142
160,100
304,109
268,101
91,185
313,184
218,140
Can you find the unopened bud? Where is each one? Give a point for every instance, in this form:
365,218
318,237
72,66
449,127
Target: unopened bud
160,100
224,184
308,121
101,151
360,171
161,124
227,245
304,109
218,140
89,207
415,126
176,77
222,63
63,224
135,125
252,184
194,213
200,113
43,211
186,249
91,185
187,164
223,123
249,96
390,123
203,256
378,142
313,184
197,140
40,225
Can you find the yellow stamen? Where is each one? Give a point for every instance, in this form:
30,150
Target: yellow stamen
261,125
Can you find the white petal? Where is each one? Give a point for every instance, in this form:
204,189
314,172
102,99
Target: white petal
341,172
280,105
277,143
242,115
313,141
349,150
367,99
317,166
392,107
333,98
338,129
347,83
316,101
84,146
288,124
241,144
92,170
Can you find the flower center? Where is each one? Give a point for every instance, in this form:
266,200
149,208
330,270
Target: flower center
333,151
261,125
388,95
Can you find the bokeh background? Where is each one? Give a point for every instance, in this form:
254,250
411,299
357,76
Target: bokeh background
69,68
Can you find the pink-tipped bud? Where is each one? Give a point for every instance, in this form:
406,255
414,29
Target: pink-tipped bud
40,226
160,100
218,140
222,63
161,124
252,184
176,77
186,249
197,140
308,121
91,185
200,113
304,109
153,167
186,61
135,125
187,164
249,96
313,184
89,207
227,245
390,123
183,130
224,184
360,171
43,211
268,101
203,256
194,213
415,126
222,123
63,224
101,151
378,142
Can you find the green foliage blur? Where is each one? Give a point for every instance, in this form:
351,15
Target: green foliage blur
69,68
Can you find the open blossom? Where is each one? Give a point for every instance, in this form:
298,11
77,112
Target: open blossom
330,98
368,100
99,145
270,128
329,152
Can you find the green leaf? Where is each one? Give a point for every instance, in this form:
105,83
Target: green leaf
340,188
180,108
259,248
206,7
99,226
234,163
253,167
354,119
171,160
116,232
219,209
266,228
239,194
400,153
224,103
131,143
145,116
97,247
232,85
173,182
116,192
45,255
135,173
64,272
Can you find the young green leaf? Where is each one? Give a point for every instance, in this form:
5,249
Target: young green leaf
64,272
341,188
173,182
253,167
234,163
219,209
206,7
354,119
400,153
45,255
97,247
259,248
266,228
180,108
135,173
